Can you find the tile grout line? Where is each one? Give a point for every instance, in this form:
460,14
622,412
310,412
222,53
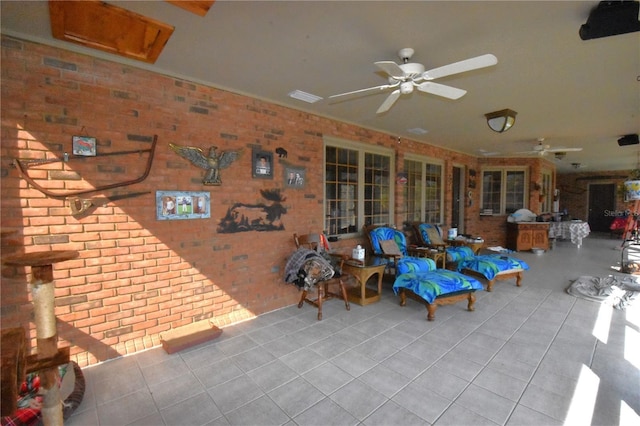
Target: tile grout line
493,357
573,303
447,352
485,366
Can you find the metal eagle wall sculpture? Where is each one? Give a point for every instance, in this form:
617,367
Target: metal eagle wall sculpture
212,163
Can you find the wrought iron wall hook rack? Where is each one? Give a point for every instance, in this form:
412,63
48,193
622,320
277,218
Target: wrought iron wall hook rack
22,169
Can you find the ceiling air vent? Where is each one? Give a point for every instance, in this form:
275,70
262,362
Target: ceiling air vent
304,96
418,131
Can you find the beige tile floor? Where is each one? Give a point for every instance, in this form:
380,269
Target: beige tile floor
530,355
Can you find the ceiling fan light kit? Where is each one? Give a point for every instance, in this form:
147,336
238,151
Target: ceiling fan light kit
501,121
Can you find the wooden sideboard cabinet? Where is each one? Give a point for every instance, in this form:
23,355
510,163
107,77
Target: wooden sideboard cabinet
526,235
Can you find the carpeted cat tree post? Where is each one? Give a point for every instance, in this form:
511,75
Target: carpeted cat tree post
43,293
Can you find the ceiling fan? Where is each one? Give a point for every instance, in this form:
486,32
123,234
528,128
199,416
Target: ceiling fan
542,149
405,77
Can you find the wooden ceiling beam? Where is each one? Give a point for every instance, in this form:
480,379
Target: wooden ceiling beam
110,28
199,7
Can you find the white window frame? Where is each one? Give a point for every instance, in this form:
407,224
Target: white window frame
424,160
547,191
361,149
503,193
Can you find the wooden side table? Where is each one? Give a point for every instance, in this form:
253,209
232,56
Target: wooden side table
474,246
433,254
43,293
362,271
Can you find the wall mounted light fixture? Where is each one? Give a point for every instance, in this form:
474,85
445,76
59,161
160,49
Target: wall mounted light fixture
501,121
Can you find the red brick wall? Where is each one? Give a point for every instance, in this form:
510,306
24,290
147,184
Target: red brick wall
136,276
494,228
574,191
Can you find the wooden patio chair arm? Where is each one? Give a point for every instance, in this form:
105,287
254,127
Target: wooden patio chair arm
338,255
436,246
416,251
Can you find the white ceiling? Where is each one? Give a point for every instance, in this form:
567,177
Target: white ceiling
571,92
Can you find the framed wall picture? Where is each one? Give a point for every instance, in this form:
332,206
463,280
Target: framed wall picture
176,205
294,177
262,164
84,145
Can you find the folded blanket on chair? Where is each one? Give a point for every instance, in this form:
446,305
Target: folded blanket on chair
306,267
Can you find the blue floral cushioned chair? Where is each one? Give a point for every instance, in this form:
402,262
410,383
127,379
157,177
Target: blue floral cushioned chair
491,267
423,282
388,242
430,235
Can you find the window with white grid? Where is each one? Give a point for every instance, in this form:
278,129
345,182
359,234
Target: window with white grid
503,191
423,190
358,189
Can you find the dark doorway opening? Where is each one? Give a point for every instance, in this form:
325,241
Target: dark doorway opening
602,200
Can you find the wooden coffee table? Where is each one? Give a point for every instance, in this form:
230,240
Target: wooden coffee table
362,271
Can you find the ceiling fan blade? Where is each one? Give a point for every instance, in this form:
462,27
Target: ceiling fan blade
462,66
441,90
391,68
368,89
388,103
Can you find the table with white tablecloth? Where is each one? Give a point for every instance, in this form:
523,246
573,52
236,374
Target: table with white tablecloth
574,230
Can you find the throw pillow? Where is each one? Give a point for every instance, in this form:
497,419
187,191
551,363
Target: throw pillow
390,247
434,236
